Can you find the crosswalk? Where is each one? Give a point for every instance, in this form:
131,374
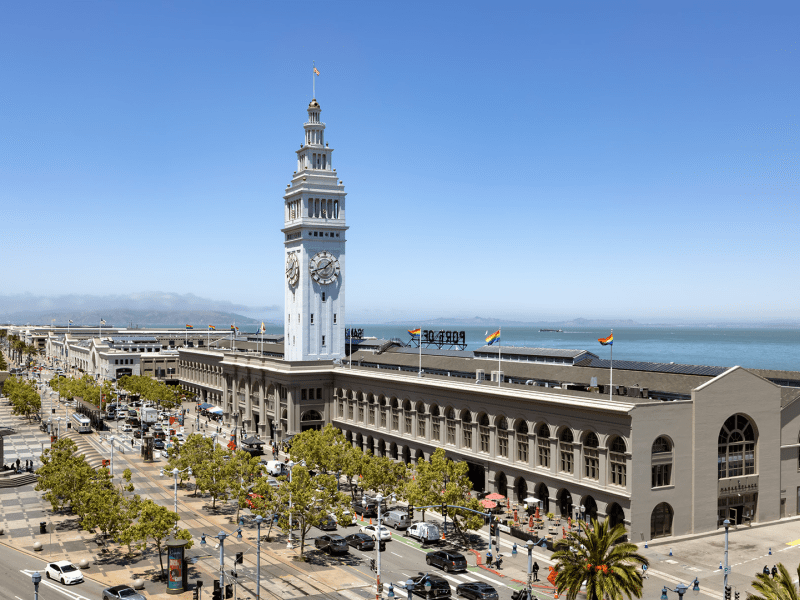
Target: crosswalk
467,577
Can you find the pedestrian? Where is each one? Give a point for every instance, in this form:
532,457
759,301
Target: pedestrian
766,570
489,557
536,571
774,571
644,571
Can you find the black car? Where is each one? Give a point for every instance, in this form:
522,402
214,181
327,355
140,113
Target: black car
327,524
439,586
332,544
449,561
476,590
361,541
370,510
158,444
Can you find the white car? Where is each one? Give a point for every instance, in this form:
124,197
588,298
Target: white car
372,531
127,428
64,571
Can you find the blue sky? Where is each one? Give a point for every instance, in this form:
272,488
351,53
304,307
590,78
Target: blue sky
523,160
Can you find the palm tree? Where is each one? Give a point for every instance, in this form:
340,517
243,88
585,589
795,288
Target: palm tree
591,556
779,588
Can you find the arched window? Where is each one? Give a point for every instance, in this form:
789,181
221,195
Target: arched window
407,417
502,437
661,521
661,462
382,410
450,419
436,432
566,453
360,400
466,430
737,448
420,420
522,441
395,415
591,456
311,415
543,445
483,431
616,456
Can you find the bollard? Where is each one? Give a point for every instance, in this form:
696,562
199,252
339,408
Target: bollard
770,551
720,565
670,551
514,549
645,544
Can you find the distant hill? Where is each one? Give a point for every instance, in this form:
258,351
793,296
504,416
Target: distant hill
200,319
490,322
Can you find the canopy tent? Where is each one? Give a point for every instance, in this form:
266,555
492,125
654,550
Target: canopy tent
206,405
216,410
253,441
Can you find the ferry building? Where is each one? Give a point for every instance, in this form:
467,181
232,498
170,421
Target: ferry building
670,450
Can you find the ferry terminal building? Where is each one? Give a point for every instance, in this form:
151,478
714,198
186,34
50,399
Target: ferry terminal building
671,450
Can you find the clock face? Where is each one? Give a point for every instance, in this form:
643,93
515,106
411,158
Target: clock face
324,267
292,269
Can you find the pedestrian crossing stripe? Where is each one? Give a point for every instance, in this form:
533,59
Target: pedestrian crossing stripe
794,543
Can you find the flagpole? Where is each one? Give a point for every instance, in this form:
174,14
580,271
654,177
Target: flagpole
499,356
611,376
313,81
419,342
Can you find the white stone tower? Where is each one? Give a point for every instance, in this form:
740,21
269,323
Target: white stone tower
314,237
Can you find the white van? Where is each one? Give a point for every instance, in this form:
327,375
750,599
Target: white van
397,519
423,532
276,468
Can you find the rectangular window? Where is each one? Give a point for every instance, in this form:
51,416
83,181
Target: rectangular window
334,318
350,409
360,413
544,452
323,340
395,421
408,424
566,454
435,433
451,432
302,394
662,475
502,443
420,426
618,470
323,296
383,416
484,438
591,464
372,414
290,317
319,393
341,407
522,448
467,434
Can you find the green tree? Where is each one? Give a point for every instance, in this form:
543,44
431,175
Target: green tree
384,475
156,523
245,471
191,454
263,500
64,474
214,475
104,505
428,488
610,569
311,499
23,396
779,588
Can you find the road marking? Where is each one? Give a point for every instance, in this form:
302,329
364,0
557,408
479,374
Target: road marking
396,554
68,593
794,543
451,578
489,579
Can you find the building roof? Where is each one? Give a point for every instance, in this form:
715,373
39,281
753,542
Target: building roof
134,339
434,352
544,352
633,365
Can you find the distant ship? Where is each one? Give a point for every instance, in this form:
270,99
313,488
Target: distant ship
553,330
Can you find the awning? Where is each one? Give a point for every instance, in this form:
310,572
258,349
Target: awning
205,405
216,410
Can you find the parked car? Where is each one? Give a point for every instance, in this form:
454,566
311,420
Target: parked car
332,544
64,571
276,468
476,590
158,444
360,541
137,433
328,523
397,519
374,530
423,532
370,510
439,586
127,428
122,592
446,560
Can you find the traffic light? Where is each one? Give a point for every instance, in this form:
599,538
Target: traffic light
736,595
727,592
444,507
239,558
411,511
217,593
372,565
492,526
229,591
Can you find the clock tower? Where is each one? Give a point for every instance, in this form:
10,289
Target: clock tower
314,236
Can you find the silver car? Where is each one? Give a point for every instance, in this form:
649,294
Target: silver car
122,592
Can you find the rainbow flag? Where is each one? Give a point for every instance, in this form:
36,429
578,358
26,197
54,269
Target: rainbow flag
491,339
609,341
233,328
189,326
263,328
414,332
211,328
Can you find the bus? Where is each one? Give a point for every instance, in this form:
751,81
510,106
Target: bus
81,424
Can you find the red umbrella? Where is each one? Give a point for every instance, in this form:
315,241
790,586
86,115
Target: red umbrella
488,503
495,496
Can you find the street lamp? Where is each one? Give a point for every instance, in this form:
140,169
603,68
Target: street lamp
680,589
410,588
444,506
221,537
529,544
175,472
291,464
583,510
379,587
36,578
111,439
259,520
